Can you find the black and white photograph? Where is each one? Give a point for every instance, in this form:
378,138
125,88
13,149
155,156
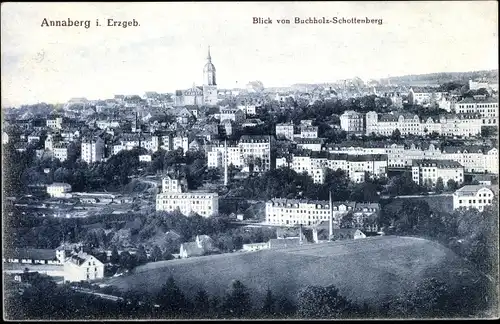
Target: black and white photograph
250,160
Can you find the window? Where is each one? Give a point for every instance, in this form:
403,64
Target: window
88,276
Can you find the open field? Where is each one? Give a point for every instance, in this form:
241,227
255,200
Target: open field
363,270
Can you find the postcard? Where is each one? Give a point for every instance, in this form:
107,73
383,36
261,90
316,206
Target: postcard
250,160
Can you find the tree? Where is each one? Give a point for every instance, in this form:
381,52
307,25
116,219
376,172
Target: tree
115,258
156,254
396,134
347,221
439,185
171,299
322,302
201,303
237,300
141,255
451,185
268,308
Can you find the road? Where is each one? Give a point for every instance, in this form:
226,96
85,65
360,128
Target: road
418,196
90,292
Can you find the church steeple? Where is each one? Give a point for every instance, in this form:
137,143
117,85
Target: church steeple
209,71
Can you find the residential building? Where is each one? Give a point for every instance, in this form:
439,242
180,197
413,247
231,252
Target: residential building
201,246
55,122
145,158
92,150
409,124
256,152
355,165
313,144
352,122
293,212
233,114
420,96
473,196
476,85
58,189
82,267
285,131
60,151
487,108
217,154
308,131
428,171
255,247
174,197
30,256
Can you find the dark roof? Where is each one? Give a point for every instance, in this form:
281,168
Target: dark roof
283,243
31,254
468,148
438,163
367,157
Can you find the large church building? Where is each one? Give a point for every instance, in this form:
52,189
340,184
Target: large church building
205,95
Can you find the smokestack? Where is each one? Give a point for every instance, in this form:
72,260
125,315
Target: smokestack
330,231
225,163
300,233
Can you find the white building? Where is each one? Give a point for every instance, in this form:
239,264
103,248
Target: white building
256,150
473,85
255,246
55,123
448,125
233,114
92,150
82,267
173,197
60,151
285,131
145,158
424,97
292,212
355,165
307,131
427,172
473,196
216,156
351,122
58,189
180,141
487,108
313,144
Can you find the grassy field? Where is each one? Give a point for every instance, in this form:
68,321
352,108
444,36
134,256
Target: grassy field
363,270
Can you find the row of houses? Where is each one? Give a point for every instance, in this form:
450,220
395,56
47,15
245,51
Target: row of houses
474,158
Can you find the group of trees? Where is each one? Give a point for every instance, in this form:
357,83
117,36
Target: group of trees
430,298
471,233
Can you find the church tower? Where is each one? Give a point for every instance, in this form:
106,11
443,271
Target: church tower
209,71
209,82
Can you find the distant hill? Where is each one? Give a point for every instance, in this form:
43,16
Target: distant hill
442,77
369,269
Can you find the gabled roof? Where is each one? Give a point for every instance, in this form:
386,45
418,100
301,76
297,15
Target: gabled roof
470,190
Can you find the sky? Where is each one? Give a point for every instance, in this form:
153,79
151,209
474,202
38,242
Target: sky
168,50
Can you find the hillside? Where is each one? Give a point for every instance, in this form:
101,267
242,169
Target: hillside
363,270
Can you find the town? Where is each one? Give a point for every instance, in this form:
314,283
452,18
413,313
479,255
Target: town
373,194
